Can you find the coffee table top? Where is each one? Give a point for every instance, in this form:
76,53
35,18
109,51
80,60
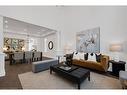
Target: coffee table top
75,71
61,67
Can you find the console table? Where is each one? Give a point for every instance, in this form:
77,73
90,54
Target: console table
76,74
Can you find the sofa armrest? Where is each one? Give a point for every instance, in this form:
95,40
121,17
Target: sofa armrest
105,62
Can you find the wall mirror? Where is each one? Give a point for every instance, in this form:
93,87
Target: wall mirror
50,45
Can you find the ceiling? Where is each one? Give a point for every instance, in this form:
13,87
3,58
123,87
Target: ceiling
20,27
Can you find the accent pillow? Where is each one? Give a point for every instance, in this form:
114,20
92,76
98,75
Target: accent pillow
98,57
81,55
92,57
69,55
86,56
76,56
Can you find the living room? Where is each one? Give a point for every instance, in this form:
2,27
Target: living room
68,21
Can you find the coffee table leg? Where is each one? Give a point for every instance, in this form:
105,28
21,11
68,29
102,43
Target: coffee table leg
89,77
78,85
50,70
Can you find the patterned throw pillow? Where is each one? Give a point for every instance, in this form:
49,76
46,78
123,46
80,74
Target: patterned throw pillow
86,56
98,57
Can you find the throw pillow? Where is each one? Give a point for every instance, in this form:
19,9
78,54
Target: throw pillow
86,56
75,56
69,55
81,55
98,57
92,57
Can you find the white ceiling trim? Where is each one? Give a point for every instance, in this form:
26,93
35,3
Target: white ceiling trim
32,35
48,34
19,27
24,34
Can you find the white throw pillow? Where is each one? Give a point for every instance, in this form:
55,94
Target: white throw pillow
78,56
75,56
81,55
92,58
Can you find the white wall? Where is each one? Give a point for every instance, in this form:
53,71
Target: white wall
2,63
111,20
51,53
1,34
69,20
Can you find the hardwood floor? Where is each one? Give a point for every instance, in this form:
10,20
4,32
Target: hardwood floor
11,80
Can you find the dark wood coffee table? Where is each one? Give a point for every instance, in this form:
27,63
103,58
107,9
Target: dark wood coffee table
75,74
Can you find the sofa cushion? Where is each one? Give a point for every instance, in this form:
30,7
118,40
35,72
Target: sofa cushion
88,64
101,66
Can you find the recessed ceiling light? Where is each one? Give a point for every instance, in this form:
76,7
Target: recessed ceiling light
6,26
6,21
25,29
42,29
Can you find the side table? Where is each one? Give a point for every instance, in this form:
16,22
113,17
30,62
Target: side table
117,66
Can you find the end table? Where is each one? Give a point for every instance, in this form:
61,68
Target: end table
117,66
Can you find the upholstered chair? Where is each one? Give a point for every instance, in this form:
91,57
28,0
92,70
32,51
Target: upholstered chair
28,56
18,56
37,56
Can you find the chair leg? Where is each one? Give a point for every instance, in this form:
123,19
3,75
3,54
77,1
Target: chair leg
14,61
30,60
21,61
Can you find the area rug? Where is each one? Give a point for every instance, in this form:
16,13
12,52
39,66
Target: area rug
45,80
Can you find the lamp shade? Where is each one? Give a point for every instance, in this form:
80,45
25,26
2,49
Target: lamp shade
68,48
116,47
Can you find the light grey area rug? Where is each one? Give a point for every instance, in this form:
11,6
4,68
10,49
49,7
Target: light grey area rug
45,80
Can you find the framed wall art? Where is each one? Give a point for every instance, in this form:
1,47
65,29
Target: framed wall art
88,40
13,44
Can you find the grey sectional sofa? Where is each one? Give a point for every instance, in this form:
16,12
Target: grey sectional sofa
43,65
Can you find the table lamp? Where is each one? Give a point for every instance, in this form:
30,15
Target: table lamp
68,49
116,48
59,53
